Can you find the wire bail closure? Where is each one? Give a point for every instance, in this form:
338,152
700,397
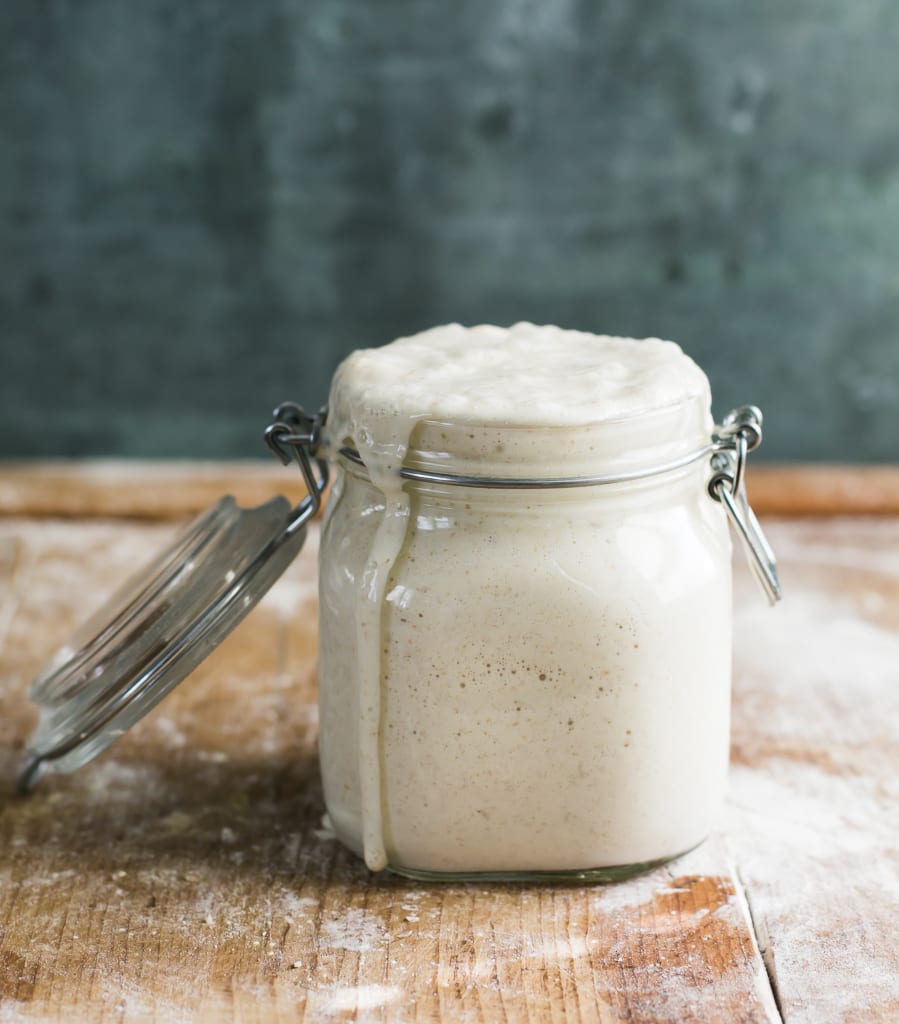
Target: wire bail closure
296,435
737,436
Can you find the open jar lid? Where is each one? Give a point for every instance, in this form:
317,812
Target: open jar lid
164,621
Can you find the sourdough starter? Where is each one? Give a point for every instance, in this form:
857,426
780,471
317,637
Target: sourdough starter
522,680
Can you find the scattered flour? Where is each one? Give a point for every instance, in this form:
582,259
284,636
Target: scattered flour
354,930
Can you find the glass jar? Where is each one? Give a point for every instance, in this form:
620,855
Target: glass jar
525,616
531,677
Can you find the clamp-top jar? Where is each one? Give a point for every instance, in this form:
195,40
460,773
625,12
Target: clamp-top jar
525,603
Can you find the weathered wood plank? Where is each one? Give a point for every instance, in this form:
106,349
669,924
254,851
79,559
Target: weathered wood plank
138,490
166,490
186,875
824,490
814,808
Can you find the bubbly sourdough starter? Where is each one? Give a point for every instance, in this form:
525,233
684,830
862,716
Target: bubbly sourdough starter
522,680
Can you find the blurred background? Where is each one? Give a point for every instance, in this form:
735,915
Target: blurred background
205,205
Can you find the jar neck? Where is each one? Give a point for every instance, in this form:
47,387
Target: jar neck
635,445
683,486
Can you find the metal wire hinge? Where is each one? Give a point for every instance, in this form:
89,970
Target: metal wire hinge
735,438
295,435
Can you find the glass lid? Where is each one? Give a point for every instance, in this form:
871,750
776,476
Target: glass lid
169,617
158,627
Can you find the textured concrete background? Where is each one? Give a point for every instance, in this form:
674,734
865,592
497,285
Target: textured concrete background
204,205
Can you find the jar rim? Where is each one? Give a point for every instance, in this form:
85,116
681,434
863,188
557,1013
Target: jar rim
520,455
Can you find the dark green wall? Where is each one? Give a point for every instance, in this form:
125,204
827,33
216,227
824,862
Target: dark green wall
204,205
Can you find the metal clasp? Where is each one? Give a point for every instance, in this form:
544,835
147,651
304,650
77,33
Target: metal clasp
734,439
296,435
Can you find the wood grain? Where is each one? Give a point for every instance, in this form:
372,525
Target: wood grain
187,876
824,490
814,809
138,489
167,490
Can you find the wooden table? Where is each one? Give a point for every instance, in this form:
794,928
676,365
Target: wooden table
186,875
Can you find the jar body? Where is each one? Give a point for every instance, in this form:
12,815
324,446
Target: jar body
554,678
